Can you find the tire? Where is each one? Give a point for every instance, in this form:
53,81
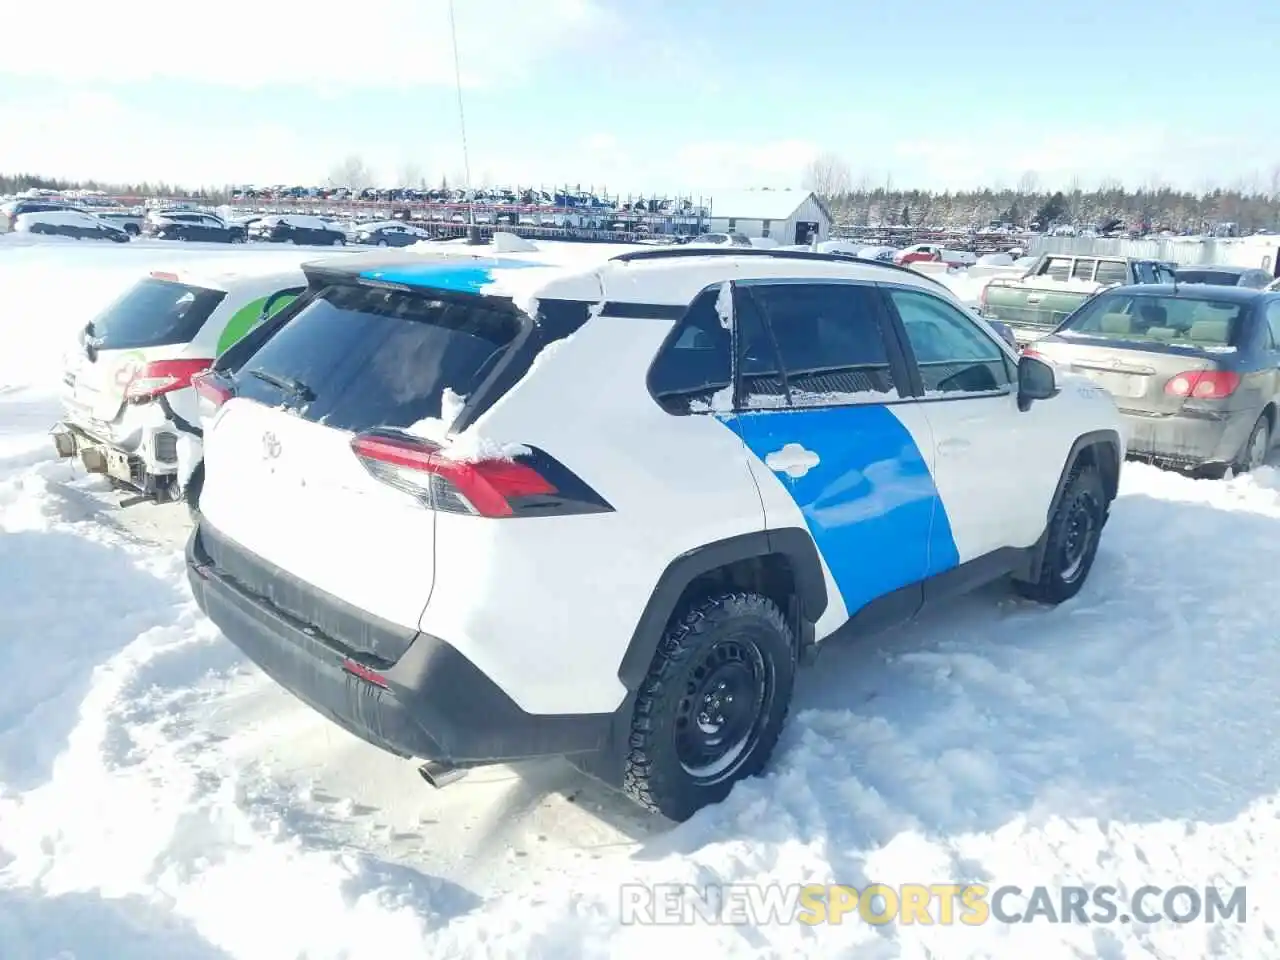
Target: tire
1075,530
721,647
382,243
192,492
1256,448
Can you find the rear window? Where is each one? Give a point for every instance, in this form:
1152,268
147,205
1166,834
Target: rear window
360,357
154,313
1184,321
1218,277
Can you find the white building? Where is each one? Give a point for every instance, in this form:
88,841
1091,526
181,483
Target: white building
786,216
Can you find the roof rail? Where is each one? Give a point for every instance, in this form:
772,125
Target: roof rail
678,252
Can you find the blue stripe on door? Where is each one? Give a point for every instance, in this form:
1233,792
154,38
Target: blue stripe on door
870,501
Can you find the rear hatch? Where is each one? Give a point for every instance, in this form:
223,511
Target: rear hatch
136,348
282,480
1152,354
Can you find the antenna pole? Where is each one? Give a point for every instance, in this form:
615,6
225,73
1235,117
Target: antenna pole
462,126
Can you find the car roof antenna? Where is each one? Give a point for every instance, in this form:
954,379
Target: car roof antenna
473,231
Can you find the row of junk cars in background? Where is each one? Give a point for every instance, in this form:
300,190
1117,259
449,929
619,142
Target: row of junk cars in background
61,218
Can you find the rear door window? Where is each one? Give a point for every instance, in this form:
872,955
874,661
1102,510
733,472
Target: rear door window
359,357
154,313
828,338
1115,271
1083,269
1057,268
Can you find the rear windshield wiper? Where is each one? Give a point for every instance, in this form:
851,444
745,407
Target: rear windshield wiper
295,388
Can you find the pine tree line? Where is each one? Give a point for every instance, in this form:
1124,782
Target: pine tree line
1110,206
16,183
1107,208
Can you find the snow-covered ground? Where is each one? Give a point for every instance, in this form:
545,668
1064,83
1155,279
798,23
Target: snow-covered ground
160,799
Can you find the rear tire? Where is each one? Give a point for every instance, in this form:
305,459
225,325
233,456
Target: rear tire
1075,530
192,493
1256,448
712,706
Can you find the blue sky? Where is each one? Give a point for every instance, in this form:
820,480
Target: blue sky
653,95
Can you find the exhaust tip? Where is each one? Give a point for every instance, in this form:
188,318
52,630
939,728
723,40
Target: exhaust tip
439,773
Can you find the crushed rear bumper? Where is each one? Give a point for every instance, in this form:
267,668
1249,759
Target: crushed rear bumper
1189,439
436,704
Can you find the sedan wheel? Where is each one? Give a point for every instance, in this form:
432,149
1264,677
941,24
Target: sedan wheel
1257,447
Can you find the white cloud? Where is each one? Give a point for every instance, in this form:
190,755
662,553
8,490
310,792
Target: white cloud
376,44
92,135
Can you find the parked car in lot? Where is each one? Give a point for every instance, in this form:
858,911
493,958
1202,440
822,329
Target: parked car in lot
1034,304
933,253
131,223
721,240
192,225
10,211
129,411
400,524
69,223
1195,369
297,228
389,234
1223,275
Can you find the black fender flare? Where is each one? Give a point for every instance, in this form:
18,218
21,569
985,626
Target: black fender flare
1108,440
794,543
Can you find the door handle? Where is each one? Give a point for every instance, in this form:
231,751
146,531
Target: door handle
952,447
793,460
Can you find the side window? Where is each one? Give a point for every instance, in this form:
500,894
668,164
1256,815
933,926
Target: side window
694,364
1115,271
828,338
1083,269
1056,268
954,355
1273,321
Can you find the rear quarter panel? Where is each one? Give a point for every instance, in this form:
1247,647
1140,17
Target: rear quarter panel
547,606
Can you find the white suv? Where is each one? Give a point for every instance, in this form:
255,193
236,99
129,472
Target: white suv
475,511
129,411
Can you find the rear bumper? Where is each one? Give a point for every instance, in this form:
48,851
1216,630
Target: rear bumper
150,441
437,705
1189,439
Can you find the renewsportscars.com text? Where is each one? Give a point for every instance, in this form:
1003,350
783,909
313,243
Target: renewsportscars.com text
927,904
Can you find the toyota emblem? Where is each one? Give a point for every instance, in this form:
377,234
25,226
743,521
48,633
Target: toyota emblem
270,446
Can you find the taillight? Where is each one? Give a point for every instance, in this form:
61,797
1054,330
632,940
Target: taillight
210,388
1203,384
159,377
484,487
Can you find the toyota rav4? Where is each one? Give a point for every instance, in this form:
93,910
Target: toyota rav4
479,509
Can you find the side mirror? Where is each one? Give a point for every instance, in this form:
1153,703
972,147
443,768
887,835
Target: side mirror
1037,380
1005,331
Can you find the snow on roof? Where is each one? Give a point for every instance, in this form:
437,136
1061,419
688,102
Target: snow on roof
757,204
